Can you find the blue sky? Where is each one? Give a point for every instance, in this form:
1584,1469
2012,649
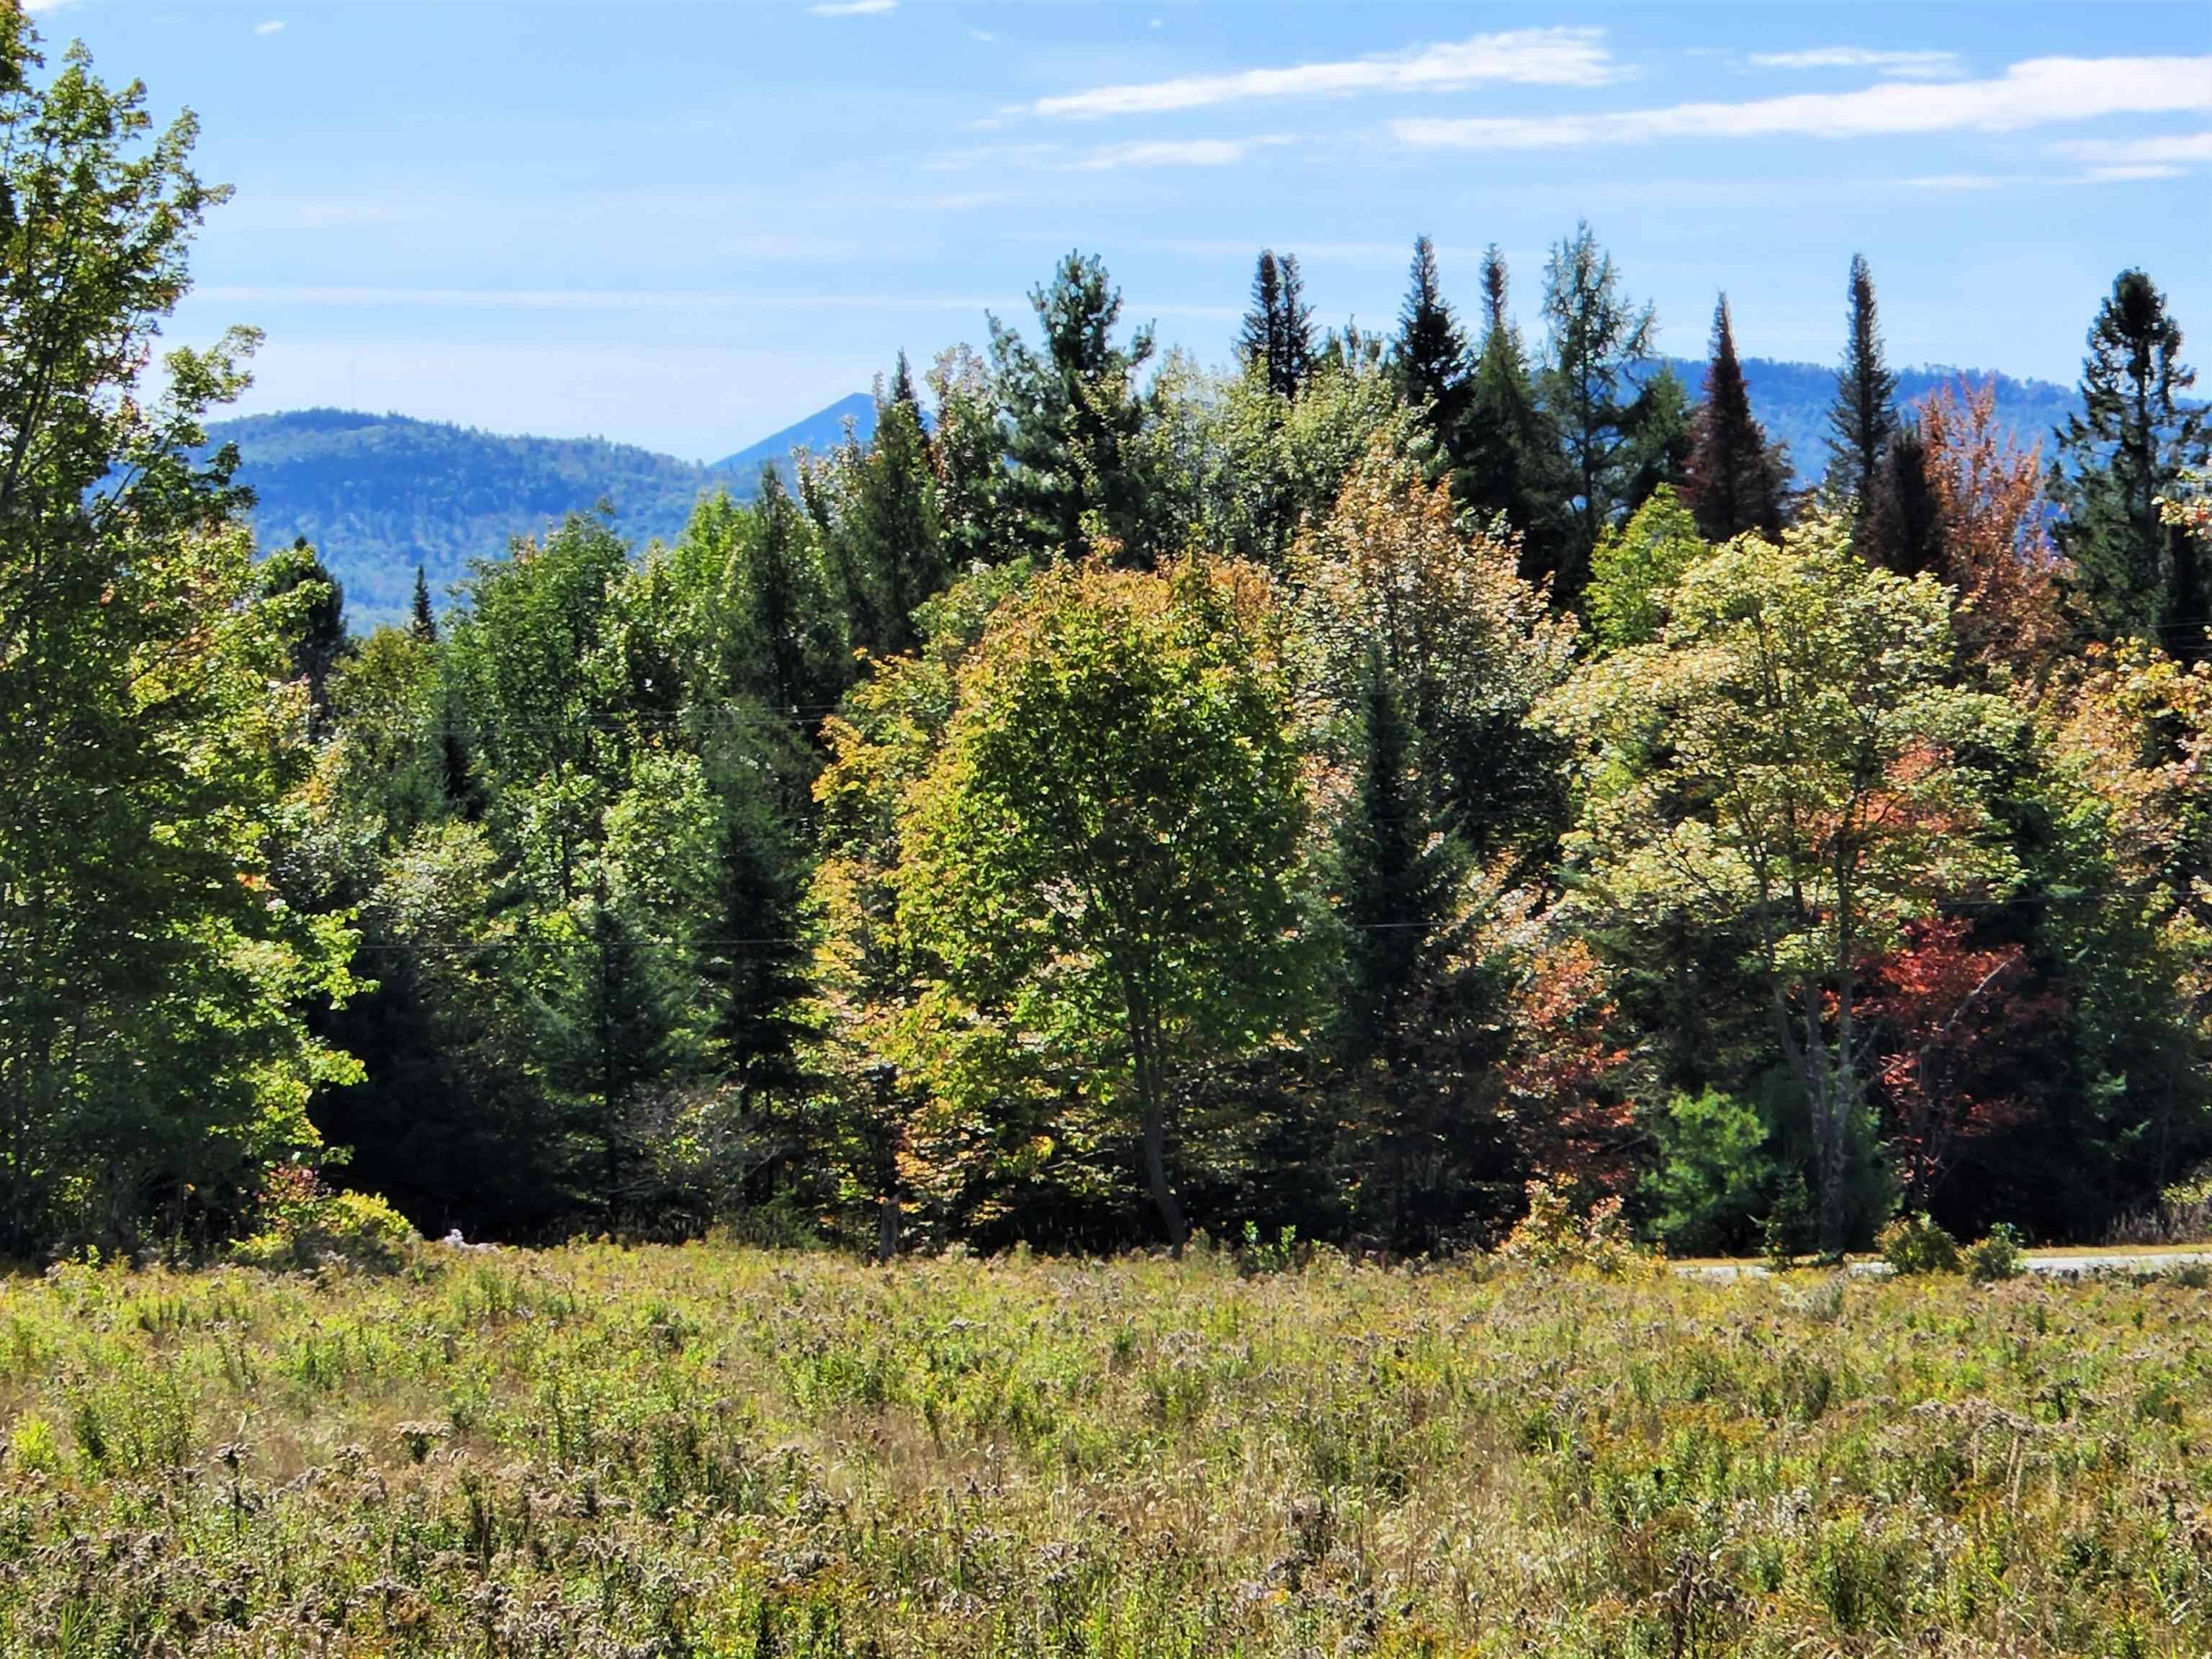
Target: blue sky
685,226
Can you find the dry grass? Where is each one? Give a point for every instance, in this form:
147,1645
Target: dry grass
705,1451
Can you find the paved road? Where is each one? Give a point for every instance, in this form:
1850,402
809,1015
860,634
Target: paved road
2051,1267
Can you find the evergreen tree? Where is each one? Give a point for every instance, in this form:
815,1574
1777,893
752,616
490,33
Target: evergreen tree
1736,478
1660,433
2126,448
1597,337
1431,356
888,541
424,624
1075,417
1402,1049
1901,523
1277,342
902,389
1863,417
1513,464
611,1038
785,647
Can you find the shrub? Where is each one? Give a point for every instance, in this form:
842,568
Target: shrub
1915,1244
305,1224
1998,1256
1553,1235
1714,1173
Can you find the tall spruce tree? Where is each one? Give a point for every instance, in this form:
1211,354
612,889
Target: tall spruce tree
1901,526
1736,478
1511,450
1276,341
891,538
1597,337
422,623
2126,448
1430,357
313,604
1075,415
1660,434
1864,416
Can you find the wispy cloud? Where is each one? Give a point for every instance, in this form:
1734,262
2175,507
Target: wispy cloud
2163,156
1175,153
2042,91
1108,158
46,5
852,8
984,35
1904,65
274,25
1558,57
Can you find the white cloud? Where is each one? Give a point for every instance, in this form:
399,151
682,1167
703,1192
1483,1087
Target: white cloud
2170,150
1558,57
1904,65
984,35
46,5
1175,153
2039,92
852,8
274,25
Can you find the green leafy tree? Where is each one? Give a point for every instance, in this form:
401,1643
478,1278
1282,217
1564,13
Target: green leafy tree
1595,337
1103,859
1074,414
153,1052
1789,755
1863,417
882,523
2129,445
1636,567
317,640
968,453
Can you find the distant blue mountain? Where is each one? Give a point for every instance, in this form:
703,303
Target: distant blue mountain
817,433
1792,400
381,494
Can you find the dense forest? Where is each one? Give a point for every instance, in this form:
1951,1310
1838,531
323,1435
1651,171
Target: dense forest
1349,795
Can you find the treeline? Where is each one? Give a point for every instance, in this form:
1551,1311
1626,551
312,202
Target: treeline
1330,794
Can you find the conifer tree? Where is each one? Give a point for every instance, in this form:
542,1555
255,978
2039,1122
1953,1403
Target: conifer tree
1863,417
1430,356
1735,477
1075,414
424,622
1597,337
891,541
1277,342
1512,451
2126,448
1660,434
1901,523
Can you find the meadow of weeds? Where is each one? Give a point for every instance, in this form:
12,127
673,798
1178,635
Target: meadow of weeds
708,1451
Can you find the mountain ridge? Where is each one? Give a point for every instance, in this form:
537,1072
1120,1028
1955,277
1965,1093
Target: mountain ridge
379,494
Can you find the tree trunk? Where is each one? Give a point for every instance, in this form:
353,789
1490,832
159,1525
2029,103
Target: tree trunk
1151,1097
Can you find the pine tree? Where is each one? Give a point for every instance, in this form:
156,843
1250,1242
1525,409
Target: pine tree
1431,356
1597,337
424,624
1075,417
1659,434
1901,523
2127,447
1863,417
903,390
1737,477
886,537
1276,341
1511,451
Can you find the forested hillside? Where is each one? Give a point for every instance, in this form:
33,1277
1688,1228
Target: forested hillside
383,494
380,494
1382,791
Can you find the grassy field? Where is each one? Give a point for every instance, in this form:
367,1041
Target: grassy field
703,1451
